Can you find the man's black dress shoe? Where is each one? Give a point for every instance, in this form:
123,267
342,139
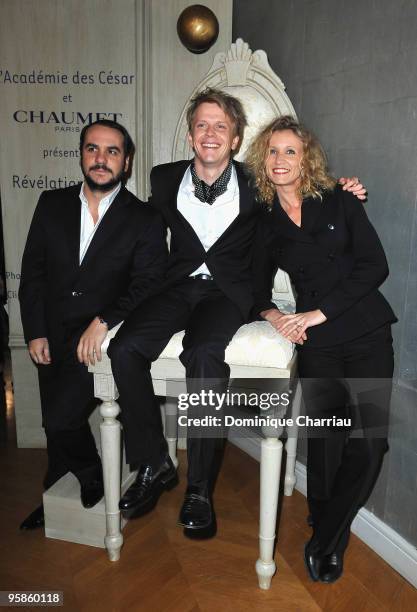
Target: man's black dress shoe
197,514
331,567
91,493
35,520
312,561
142,496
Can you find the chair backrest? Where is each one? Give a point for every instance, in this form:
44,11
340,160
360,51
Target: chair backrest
282,292
248,76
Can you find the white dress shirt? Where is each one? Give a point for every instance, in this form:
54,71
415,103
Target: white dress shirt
209,221
88,229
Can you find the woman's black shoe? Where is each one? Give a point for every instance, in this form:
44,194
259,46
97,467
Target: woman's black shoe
331,567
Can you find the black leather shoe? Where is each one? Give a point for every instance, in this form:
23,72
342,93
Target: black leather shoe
331,567
312,561
35,520
91,493
197,514
142,496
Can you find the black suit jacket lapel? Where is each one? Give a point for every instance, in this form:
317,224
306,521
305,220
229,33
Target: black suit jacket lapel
246,193
314,211
171,190
171,201
246,200
113,218
72,216
283,225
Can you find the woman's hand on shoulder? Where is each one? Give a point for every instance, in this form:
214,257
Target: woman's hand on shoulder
355,187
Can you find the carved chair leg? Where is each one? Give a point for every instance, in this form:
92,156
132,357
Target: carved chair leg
105,390
271,455
171,427
291,444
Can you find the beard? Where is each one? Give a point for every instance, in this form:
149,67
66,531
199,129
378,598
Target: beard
102,187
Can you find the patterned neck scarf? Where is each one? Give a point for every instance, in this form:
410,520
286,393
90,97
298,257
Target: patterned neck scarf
209,193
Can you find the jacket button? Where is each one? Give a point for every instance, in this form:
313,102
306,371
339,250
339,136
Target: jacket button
76,293
301,270
330,226
313,293
330,257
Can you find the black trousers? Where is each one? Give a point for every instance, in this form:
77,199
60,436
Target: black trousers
210,321
67,400
352,381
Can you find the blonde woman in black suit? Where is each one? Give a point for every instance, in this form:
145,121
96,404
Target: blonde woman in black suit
317,232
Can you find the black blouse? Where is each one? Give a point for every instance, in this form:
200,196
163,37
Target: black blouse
335,261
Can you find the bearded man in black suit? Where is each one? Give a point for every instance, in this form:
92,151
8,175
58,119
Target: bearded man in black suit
210,209
94,252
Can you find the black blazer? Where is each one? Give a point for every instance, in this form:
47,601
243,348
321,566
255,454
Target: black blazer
124,264
335,261
229,259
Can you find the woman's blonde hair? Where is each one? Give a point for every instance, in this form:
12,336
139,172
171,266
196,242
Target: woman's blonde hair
314,175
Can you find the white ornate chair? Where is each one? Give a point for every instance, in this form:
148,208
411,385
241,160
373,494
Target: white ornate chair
256,350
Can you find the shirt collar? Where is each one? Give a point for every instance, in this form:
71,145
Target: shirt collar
232,188
106,201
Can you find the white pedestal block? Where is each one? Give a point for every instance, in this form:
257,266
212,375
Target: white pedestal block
66,518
